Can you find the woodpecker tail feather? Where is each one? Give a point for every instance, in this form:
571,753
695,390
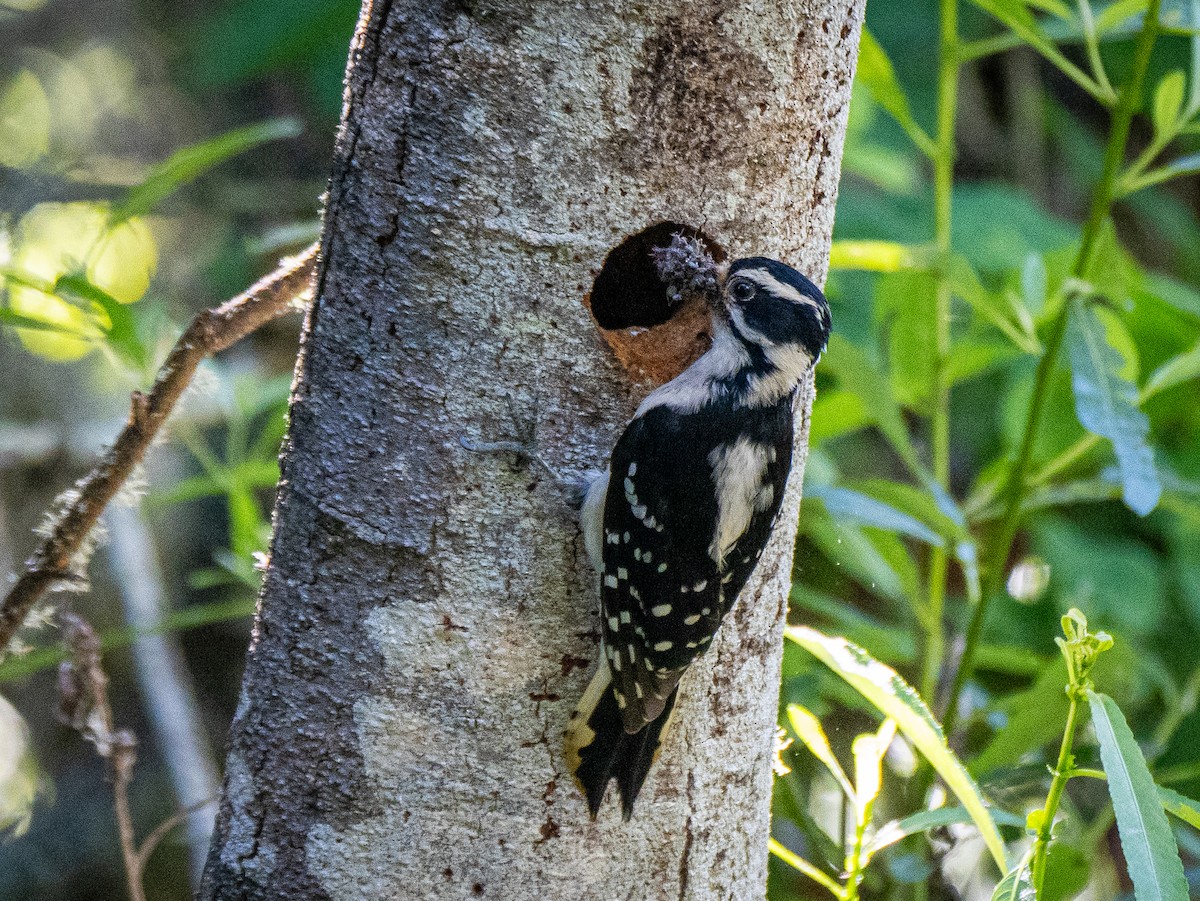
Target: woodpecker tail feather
599,749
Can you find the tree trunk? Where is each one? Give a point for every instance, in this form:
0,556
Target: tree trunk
428,619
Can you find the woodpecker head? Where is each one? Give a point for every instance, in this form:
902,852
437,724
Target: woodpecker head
774,311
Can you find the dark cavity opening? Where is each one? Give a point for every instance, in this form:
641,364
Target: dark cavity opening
629,291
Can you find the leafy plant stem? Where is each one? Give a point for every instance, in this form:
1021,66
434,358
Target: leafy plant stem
1017,482
943,193
1018,478
1062,773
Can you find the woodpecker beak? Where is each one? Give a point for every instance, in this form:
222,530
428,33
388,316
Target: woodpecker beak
717,300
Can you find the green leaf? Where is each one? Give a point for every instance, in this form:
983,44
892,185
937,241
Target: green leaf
890,833
1151,854
189,163
876,72
868,750
1178,805
16,320
1067,872
875,256
991,306
809,730
1018,17
1015,886
14,668
918,504
1116,13
904,308
121,328
842,503
1176,371
796,862
896,699
1168,103
1033,283
1184,165
835,413
855,372
1107,405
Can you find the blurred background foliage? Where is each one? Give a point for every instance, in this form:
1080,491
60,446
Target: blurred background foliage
155,157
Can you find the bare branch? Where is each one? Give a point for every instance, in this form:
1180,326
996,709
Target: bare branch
210,332
84,706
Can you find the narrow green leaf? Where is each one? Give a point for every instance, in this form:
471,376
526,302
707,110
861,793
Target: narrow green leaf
842,503
1178,805
898,700
1176,371
876,72
121,331
1193,105
856,373
1116,13
1015,886
1168,103
16,320
923,505
991,306
1184,165
890,833
796,862
1107,405
14,668
809,730
1151,854
1033,283
875,256
1017,16
189,163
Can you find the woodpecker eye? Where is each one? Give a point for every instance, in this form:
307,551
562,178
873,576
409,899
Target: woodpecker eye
742,291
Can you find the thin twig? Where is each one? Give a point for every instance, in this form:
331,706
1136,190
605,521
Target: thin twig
154,839
211,331
84,706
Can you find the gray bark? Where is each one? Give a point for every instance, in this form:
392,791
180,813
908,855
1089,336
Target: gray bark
428,617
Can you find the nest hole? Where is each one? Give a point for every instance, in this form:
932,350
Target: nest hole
653,338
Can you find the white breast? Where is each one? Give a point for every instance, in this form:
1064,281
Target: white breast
740,477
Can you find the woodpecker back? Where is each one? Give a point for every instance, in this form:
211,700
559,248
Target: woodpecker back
679,521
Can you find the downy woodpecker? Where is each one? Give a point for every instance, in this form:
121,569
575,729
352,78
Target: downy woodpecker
677,523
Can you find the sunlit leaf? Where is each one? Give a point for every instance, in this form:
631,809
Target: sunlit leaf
896,699
876,72
1116,13
809,730
796,862
1168,102
837,412
1107,405
874,256
120,326
190,163
868,750
1151,854
1180,806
